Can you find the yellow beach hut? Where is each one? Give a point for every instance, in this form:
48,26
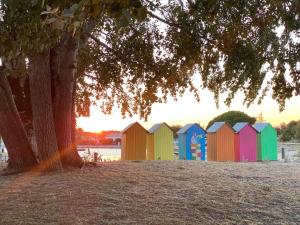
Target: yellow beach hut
160,142
134,142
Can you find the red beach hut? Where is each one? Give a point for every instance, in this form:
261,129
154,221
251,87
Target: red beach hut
245,142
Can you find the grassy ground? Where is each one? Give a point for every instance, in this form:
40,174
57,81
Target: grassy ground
156,192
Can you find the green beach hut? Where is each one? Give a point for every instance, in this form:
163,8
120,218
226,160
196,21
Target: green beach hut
266,142
160,142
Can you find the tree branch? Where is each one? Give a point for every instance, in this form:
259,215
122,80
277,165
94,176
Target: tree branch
101,43
92,77
162,20
181,3
177,26
191,2
119,55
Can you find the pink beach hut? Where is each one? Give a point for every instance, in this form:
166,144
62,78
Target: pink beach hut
245,143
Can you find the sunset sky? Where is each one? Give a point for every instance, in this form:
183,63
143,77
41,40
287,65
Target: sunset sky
188,110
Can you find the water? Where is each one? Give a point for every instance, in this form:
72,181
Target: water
87,153
3,152
3,156
104,154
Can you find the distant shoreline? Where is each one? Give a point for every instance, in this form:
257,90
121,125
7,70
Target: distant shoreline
97,146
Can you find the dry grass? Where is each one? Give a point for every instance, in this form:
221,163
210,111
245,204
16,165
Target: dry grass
158,192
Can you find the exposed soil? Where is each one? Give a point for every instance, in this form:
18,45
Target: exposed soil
155,192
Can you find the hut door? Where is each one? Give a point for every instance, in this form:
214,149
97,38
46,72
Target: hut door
196,146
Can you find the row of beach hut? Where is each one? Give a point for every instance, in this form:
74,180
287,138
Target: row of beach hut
141,144
221,142
242,142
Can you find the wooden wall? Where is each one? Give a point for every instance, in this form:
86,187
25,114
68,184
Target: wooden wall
225,144
163,143
220,145
134,143
211,147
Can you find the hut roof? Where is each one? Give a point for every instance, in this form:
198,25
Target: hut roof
187,127
126,128
131,125
215,127
260,126
156,126
239,126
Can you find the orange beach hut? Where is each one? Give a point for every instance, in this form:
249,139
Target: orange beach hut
220,142
134,142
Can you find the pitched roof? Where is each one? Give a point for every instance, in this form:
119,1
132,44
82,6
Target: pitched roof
183,129
156,126
239,126
126,128
215,127
260,126
187,127
131,125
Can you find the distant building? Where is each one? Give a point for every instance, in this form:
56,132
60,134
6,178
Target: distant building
114,136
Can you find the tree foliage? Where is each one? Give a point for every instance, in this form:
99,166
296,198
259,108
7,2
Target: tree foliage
232,117
232,44
137,53
290,131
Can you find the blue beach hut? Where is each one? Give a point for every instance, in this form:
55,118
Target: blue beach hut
192,142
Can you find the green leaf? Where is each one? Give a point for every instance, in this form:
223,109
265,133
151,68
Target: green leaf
51,20
142,13
95,2
96,10
34,2
67,13
58,24
73,8
53,11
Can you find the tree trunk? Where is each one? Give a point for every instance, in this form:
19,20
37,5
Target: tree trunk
43,122
63,101
20,154
73,121
20,89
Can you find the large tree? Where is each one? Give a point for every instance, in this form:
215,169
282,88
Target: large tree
232,117
133,53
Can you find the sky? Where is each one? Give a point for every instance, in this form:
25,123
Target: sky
188,110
